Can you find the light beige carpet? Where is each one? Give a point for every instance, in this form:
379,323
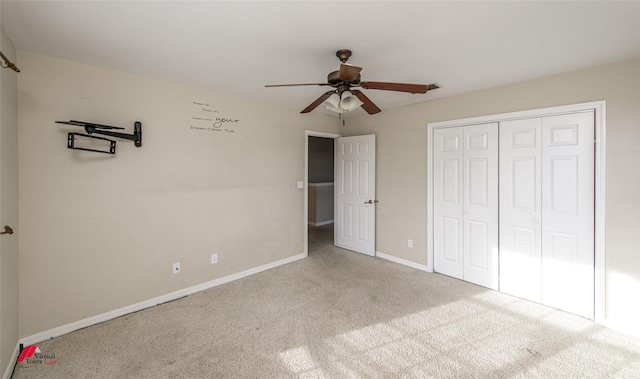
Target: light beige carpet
339,314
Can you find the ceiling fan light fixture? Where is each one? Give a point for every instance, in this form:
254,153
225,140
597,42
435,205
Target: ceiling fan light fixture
341,103
333,103
349,101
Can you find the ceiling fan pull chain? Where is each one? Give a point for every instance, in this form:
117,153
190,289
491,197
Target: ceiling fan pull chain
341,118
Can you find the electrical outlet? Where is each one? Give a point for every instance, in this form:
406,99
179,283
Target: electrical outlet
176,267
214,259
409,243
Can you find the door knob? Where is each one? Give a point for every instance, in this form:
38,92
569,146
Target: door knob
7,230
371,202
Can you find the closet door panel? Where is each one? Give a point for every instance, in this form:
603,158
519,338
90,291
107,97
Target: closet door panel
520,208
447,199
568,213
481,204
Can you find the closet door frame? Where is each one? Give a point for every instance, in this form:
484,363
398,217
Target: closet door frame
599,109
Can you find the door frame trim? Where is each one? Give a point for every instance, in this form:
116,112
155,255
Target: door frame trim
599,109
307,134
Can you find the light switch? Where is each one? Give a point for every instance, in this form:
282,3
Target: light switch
300,184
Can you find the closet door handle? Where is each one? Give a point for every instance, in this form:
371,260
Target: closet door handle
7,230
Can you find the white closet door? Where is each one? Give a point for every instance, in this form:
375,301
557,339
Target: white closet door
447,201
568,213
480,244
547,211
466,203
520,208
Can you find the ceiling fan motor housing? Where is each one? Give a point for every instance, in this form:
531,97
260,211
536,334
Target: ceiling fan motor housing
334,79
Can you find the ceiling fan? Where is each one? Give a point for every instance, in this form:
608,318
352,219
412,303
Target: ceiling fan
343,98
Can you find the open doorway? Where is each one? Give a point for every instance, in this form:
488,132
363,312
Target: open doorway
319,194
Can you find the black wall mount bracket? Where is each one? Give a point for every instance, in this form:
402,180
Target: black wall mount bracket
106,130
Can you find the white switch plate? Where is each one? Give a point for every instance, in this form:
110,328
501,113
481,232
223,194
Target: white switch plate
176,267
214,258
300,184
409,243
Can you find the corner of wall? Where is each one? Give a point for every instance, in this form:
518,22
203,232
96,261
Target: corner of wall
9,300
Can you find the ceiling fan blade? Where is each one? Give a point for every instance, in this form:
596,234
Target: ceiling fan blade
295,85
318,101
348,72
367,105
399,87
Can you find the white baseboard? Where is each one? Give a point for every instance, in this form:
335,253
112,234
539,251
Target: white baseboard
12,363
61,330
401,261
320,223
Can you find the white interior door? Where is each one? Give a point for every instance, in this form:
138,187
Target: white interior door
465,202
355,193
568,213
520,208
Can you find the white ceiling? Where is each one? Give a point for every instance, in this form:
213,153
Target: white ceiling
238,47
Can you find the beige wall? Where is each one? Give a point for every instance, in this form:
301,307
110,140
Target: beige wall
102,232
402,166
321,203
8,207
